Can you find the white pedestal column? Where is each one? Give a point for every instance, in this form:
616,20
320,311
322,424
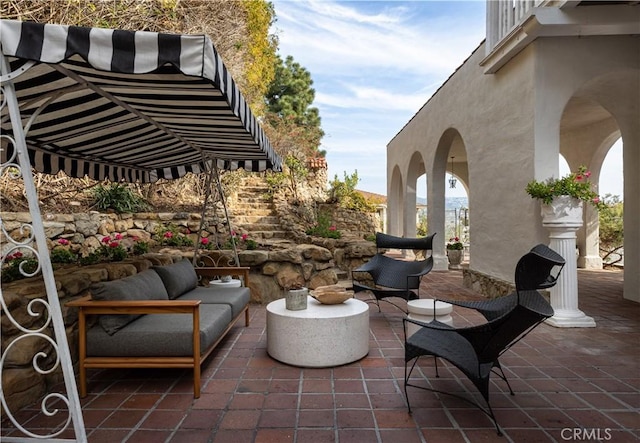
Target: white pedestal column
563,218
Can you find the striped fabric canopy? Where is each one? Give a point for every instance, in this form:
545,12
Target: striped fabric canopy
123,105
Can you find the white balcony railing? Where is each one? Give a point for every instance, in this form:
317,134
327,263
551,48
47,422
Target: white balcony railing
503,16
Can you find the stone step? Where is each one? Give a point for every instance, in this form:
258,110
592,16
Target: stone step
268,234
249,201
251,227
253,191
255,219
253,211
252,206
254,214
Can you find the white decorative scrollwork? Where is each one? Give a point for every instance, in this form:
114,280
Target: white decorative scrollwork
33,323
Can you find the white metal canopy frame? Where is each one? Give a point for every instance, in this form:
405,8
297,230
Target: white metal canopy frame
107,104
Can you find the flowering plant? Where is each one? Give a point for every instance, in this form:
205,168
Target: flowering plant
576,185
172,235
17,266
111,249
242,240
455,243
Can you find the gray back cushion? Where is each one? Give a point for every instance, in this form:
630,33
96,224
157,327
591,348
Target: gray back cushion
146,285
178,278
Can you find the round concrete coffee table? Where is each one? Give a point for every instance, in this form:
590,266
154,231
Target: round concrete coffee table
320,336
425,309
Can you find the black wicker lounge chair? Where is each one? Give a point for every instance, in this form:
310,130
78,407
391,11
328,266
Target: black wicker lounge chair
475,350
393,277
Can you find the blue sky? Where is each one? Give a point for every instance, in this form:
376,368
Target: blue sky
374,64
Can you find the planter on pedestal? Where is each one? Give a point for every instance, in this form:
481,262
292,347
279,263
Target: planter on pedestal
455,258
563,217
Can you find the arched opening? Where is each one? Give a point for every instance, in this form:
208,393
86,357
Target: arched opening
395,203
451,194
589,134
611,189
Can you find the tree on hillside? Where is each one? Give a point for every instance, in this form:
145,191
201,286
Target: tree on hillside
611,229
289,99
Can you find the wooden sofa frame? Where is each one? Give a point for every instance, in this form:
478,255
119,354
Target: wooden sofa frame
86,307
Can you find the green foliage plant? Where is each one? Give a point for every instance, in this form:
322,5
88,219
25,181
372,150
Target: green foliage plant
455,244
324,227
117,198
575,184
140,247
344,193
62,255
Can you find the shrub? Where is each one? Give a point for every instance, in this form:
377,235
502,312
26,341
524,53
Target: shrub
611,218
118,198
62,255
324,227
344,193
140,247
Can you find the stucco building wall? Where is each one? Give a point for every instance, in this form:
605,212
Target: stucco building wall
569,95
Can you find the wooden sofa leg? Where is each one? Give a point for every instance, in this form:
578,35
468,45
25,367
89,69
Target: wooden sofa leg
196,381
82,352
83,380
246,316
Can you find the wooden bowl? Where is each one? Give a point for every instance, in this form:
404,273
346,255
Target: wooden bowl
331,297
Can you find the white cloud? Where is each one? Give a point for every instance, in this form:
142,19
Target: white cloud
327,37
374,64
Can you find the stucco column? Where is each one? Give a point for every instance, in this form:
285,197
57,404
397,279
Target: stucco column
631,152
589,241
563,217
435,205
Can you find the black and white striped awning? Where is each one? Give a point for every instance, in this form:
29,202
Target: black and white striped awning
123,105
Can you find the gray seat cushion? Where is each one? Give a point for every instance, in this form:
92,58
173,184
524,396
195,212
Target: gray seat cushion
146,285
160,335
237,298
178,277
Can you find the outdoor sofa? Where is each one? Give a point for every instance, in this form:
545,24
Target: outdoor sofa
158,318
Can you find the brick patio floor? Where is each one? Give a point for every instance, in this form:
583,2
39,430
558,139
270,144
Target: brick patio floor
565,379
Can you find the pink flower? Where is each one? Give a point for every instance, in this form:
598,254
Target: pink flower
113,244
188,231
245,237
118,236
587,174
106,240
456,239
233,233
332,228
579,177
135,238
168,234
204,241
596,200
63,241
